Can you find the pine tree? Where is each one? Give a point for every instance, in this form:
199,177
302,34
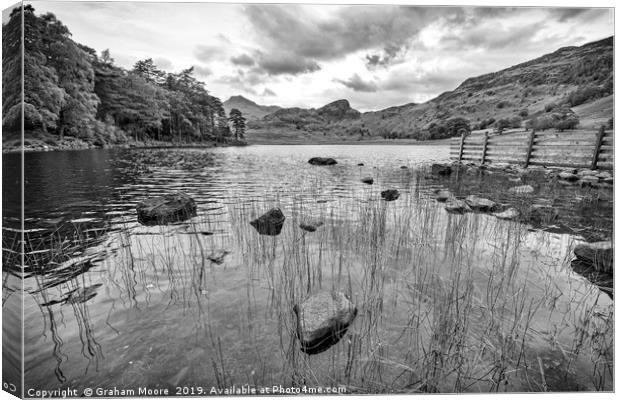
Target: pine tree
238,122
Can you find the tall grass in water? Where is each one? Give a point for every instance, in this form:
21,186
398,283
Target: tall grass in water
447,303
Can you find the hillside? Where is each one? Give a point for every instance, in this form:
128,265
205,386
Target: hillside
570,82
249,109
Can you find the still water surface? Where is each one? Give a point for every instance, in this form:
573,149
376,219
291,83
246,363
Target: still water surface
208,302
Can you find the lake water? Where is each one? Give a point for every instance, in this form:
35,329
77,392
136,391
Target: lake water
445,302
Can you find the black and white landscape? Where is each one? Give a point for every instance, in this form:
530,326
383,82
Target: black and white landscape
306,199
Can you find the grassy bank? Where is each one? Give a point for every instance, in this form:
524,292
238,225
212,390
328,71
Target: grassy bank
70,143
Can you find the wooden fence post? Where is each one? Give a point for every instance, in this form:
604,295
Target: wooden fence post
597,146
463,132
530,146
484,147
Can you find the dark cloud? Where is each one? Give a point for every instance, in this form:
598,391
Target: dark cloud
389,55
492,37
277,63
243,60
358,84
206,53
584,15
350,29
268,92
565,14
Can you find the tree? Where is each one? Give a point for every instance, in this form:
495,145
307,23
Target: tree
455,125
238,122
149,71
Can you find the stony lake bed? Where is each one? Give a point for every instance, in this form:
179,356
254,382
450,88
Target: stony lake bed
443,301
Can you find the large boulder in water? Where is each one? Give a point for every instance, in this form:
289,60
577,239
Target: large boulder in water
599,255
390,194
323,319
511,213
164,209
269,223
477,203
322,161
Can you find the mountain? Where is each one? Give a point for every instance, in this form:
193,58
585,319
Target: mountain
249,109
572,81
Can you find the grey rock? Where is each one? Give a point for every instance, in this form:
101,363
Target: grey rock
567,176
443,195
600,255
510,213
323,319
604,175
523,189
310,225
587,172
322,161
164,209
390,194
477,203
269,223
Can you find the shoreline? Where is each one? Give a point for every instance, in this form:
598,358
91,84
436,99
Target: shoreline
80,145
77,145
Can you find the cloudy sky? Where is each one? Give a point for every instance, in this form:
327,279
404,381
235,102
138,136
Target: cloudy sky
309,55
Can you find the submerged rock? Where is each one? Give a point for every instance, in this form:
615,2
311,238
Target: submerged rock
164,209
310,225
510,213
218,256
599,255
82,295
322,320
480,203
368,180
440,169
269,223
322,161
456,206
390,194
442,195
523,189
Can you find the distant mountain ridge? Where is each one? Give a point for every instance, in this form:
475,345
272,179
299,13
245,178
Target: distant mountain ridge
248,108
570,77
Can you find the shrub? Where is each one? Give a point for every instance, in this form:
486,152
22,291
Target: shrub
550,107
515,122
524,113
502,124
583,95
